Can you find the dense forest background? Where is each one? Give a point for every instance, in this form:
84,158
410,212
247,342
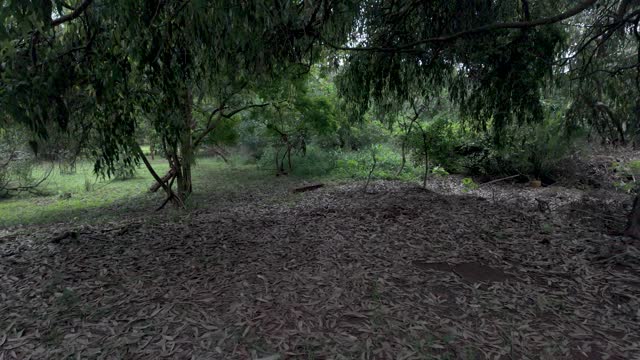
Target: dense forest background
317,87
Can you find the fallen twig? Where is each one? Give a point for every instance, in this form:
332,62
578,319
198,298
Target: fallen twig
498,180
307,188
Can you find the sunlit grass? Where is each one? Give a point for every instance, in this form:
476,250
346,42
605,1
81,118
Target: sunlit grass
84,197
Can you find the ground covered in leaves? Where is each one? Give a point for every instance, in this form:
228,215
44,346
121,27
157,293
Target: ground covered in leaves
399,272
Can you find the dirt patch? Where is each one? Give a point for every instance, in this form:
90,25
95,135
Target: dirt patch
476,272
330,274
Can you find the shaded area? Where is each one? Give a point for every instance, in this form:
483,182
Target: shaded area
328,273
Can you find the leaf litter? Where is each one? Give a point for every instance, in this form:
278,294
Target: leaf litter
397,273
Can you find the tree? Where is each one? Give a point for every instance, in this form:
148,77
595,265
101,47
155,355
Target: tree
494,58
492,64
111,64
151,59
602,71
299,109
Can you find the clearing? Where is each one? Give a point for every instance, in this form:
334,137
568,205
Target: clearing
397,273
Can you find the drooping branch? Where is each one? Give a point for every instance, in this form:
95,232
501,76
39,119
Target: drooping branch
210,127
600,39
482,29
622,8
213,125
229,115
74,14
30,187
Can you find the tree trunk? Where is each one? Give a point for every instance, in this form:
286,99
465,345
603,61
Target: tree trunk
404,158
373,168
633,224
167,187
152,149
165,179
185,186
405,138
426,158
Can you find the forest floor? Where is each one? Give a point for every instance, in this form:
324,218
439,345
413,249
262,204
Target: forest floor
400,272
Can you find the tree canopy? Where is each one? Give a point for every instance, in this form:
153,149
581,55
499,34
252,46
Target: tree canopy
102,68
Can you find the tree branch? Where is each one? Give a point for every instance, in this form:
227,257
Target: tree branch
74,14
210,127
33,186
228,116
482,29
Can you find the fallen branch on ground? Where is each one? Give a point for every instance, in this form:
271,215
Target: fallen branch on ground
307,188
498,180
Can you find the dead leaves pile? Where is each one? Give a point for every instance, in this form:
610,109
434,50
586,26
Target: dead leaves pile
399,273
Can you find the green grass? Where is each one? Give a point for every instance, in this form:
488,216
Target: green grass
83,197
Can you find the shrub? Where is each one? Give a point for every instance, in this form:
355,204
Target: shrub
628,174
439,171
534,150
468,184
17,175
443,136
357,164
314,162
88,184
344,164
124,171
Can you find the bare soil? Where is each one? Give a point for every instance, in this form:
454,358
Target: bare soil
397,273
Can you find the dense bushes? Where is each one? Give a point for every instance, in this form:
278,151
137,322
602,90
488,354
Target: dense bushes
345,164
532,150
314,162
357,164
403,143
436,141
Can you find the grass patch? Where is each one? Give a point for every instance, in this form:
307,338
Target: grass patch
83,197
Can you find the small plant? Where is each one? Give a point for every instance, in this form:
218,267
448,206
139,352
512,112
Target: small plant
469,185
64,195
88,185
67,167
124,172
628,174
624,186
374,151
439,171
